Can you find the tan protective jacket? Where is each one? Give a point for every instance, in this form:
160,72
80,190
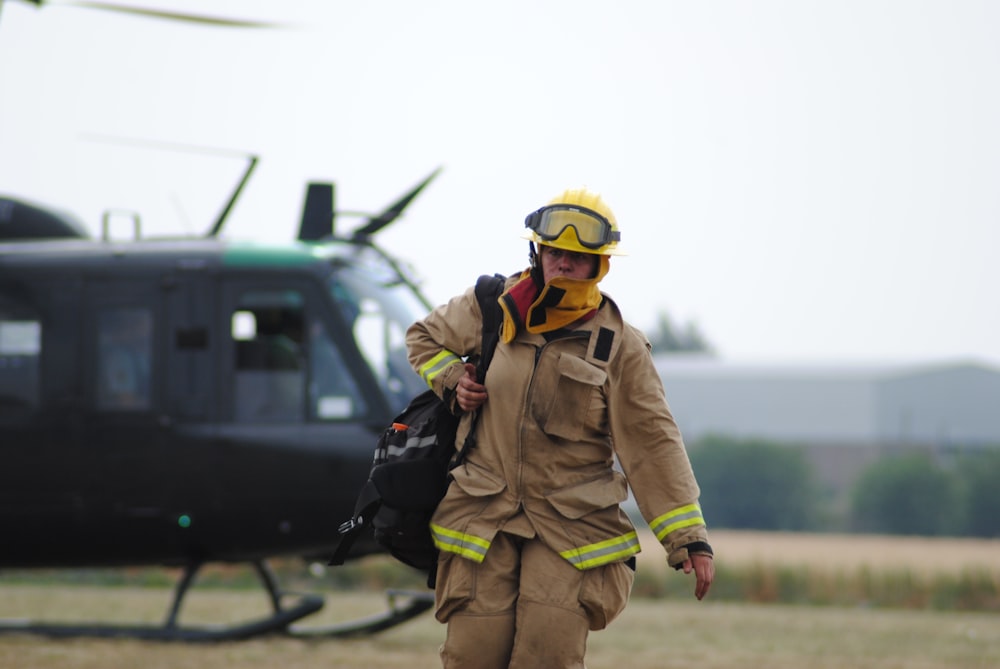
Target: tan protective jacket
557,414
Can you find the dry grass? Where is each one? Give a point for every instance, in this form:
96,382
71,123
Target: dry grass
921,555
650,635
662,633
841,570
924,556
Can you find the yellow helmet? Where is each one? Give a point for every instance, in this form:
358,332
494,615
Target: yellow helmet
576,220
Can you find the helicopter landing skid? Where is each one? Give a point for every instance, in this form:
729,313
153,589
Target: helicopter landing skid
278,621
403,605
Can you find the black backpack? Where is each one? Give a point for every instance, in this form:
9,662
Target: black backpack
413,458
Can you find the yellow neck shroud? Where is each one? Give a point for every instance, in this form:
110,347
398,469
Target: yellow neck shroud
560,302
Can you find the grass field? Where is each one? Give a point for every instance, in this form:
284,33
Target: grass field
674,631
651,634
922,555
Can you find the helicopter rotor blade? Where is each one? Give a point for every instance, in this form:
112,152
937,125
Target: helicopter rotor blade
161,14
392,212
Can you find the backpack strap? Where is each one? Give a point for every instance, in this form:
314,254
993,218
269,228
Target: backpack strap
488,291
368,503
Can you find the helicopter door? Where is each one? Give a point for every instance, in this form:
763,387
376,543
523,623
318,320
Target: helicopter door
124,428
295,435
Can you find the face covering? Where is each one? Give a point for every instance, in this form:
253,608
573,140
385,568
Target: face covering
561,301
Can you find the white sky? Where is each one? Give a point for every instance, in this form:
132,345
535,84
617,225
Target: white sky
804,180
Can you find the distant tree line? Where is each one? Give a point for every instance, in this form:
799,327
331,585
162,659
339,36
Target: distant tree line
668,337
748,484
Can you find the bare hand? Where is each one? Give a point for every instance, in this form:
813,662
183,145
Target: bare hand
704,571
470,393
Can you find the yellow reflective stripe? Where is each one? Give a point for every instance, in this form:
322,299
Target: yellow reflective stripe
463,544
684,516
437,364
603,552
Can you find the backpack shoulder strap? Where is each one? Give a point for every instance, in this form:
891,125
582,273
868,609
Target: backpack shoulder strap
488,290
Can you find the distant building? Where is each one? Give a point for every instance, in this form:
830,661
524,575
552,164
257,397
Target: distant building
845,414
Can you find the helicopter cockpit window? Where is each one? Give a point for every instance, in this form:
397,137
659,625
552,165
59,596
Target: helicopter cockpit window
124,353
380,308
268,330
20,347
287,364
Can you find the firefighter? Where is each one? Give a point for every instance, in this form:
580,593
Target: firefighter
535,548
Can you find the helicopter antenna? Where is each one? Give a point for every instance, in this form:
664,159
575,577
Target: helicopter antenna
392,212
214,232
173,146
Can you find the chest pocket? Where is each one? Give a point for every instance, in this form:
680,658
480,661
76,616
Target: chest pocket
576,402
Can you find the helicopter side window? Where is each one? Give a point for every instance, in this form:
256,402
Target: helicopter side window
268,335
20,347
333,392
124,354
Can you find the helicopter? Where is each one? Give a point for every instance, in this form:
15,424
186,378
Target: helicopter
183,401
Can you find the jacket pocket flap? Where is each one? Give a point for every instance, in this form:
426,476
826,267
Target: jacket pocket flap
578,500
477,481
581,370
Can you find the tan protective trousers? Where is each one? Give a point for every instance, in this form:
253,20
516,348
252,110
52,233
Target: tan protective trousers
524,606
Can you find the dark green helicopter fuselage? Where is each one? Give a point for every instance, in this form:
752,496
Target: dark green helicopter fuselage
167,402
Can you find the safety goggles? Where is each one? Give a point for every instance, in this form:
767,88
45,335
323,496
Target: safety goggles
592,230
